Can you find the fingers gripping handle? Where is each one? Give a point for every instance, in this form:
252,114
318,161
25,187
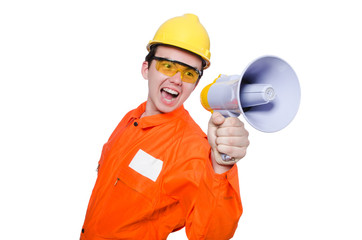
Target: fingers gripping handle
222,158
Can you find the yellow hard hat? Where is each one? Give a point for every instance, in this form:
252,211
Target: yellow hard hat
185,32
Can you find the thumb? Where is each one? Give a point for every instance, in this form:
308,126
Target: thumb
216,119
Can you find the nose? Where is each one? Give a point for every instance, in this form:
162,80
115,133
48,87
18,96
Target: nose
177,78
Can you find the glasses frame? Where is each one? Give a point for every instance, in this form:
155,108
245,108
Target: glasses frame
181,63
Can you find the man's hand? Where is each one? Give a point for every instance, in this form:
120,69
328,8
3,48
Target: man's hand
226,135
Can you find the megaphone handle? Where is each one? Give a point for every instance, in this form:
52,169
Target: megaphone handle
223,159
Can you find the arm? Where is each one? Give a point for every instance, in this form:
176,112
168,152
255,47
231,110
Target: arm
209,199
217,208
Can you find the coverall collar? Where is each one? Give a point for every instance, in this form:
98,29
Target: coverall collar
158,119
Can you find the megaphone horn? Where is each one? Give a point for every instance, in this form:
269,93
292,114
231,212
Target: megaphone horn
267,94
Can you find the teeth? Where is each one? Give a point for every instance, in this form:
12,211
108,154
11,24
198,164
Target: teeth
170,91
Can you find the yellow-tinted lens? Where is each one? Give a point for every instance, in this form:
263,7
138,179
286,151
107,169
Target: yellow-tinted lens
169,68
190,76
166,67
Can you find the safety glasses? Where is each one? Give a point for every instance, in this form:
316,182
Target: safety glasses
171,67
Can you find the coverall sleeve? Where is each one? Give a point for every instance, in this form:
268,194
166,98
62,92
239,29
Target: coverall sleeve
217,207
214,207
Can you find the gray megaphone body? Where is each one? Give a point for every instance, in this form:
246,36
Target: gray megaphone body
267,94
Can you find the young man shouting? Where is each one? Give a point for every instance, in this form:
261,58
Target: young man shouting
158,171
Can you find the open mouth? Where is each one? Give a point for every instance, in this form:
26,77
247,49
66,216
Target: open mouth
169,94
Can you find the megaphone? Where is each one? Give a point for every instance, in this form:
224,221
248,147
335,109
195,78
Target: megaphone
267,94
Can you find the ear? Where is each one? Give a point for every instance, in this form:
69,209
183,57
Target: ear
144,70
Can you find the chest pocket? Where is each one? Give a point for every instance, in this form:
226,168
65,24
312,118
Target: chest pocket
142,174
133,198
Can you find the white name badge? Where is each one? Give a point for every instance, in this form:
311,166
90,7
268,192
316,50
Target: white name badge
146,165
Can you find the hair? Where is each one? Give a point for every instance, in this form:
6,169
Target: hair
151,54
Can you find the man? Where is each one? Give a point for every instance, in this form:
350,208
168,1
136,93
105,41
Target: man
158,171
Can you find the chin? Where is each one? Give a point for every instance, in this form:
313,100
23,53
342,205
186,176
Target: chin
167,109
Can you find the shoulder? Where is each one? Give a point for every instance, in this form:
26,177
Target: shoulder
194,143
191,126
125,120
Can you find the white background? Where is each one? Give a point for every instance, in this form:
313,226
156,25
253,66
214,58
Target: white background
70,70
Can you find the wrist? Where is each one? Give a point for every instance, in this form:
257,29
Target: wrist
218,168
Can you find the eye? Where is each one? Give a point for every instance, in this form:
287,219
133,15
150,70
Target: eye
189,74
167,65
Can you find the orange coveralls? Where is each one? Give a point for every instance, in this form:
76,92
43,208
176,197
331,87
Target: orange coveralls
155,177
